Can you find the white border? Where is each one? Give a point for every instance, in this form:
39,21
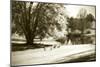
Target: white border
5,33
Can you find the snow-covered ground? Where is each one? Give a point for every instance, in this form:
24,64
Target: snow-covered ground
39,56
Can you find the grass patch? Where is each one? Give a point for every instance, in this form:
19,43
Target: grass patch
21,47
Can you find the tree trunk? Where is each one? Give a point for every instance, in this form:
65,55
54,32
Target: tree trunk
82,31
82,38
29,37
29,40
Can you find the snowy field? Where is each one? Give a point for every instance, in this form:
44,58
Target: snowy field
39,56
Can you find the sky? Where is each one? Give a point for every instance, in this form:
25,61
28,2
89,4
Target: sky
72,10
